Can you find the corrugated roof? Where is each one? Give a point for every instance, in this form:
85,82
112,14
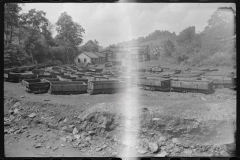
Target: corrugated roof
90,54
100,54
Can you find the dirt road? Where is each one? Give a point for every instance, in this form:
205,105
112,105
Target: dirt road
188,124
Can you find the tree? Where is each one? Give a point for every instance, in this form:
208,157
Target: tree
186,36
14,55
11,18
69,34
90,46
96,42
35,25
168,47
220,29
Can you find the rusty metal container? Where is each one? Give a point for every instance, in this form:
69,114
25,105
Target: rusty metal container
192,86
110,86
160,84
25,81
61,87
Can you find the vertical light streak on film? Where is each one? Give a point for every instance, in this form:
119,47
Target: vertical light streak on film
129,99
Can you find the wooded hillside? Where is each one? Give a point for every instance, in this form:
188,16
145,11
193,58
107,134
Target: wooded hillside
215,45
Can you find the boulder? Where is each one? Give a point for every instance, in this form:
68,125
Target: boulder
153,146
17,104
24,127
162,154
224,154
63,139
32,115
69,138
114,154
71,126
65,120
98,149
77,136
64,128
175,141
187,152
38,145
75,131
88,138
15,111
91,133
162,139
17,131
142,151
55,148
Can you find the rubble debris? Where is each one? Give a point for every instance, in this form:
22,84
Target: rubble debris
153,146
88,138
77,136
64,128
11,111
91,133
224,154
17,131
39,145
162,139
114,154
65,120
71,126
98,149
17,104
11,130
24,127
162,154
63,139
75,144
6,123
69,138
15,111
142,151
32,115
75,131
55,148
187,152
156,119
175,140
145,109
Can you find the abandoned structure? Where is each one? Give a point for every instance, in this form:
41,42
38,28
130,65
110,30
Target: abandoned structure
129,56
90,57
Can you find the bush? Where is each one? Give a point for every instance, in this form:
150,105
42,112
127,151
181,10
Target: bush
197,59
218,59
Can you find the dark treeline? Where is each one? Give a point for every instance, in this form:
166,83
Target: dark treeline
215,45
28,38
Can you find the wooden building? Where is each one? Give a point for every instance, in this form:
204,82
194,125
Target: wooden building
86,57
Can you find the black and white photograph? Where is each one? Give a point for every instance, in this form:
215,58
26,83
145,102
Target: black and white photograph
120,79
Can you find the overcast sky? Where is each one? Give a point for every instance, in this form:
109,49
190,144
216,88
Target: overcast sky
111,23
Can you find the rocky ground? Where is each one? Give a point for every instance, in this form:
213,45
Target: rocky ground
132,123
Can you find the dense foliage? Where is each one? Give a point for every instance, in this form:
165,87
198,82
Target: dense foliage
28,37
215,45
